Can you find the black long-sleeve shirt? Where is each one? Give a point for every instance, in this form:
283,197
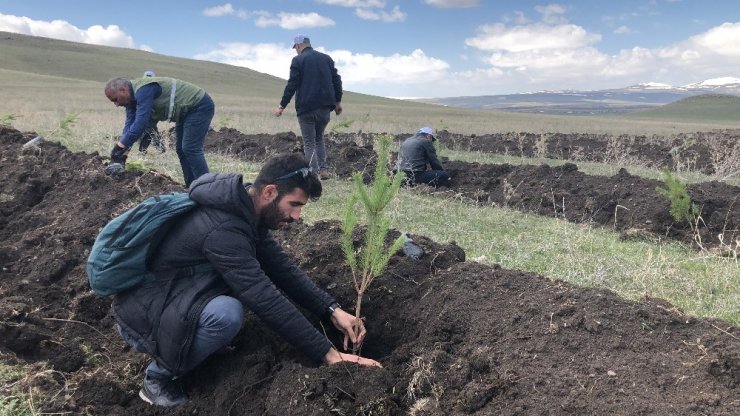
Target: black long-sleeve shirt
314,80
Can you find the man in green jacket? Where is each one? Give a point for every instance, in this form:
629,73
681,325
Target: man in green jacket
160,99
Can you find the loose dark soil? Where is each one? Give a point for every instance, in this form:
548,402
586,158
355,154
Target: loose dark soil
455,337
706,152
625,203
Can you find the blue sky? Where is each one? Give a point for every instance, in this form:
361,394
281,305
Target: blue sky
420,48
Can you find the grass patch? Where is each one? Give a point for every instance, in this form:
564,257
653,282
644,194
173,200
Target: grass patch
719,108
13,402
589,168
581,254
15,406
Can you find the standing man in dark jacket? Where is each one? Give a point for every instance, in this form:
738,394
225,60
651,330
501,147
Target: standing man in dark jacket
160,99
318,91
234,263
415,154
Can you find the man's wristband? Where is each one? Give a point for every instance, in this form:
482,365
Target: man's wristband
333,307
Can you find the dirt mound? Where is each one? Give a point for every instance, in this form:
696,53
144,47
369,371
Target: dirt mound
455,337
623,202
706,152
714,152
344,150
251,147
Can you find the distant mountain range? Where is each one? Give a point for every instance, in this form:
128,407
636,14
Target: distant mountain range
611,101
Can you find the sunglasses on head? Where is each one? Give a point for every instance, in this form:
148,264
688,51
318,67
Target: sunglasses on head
304,172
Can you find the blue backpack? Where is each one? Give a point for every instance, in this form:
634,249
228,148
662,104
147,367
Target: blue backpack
118,259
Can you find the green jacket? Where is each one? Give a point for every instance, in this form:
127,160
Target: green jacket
173,103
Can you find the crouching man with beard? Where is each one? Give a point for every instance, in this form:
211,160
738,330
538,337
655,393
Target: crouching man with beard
234,264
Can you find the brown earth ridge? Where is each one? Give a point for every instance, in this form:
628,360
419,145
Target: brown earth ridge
456,337
626,203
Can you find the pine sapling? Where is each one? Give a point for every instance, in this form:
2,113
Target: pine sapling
682,209
64,128
8,119
370,259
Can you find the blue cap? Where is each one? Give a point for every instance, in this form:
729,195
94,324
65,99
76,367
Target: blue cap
427,130
301,39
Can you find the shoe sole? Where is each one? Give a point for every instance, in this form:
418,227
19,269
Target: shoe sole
142,395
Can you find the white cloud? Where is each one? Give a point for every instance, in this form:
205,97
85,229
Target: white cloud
552,13
395,15
562,59
222,10
621,30
355,3
356,69
561,55
453,4
293,21
110,35
228,10
630,64
723,39
413,68
531,37
268,58
518,58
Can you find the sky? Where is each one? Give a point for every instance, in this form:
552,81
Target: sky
420,48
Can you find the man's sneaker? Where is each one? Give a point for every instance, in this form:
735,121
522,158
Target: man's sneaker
324,174
162,392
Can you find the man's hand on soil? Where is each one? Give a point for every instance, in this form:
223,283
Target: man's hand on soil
334,357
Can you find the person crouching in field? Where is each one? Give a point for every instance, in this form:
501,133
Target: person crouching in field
180,322
415,154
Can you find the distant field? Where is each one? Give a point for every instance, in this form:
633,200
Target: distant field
721,109
44,79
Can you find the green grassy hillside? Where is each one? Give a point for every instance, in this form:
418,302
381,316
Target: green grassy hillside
44,79
701,108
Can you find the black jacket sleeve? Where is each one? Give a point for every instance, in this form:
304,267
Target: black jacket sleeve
291,279
431,155
294,81
336,79
229,250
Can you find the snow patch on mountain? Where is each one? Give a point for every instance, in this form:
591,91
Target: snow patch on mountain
654,86
715,82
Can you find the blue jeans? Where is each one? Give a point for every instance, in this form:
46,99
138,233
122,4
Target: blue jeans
190,133
218,324
312,124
